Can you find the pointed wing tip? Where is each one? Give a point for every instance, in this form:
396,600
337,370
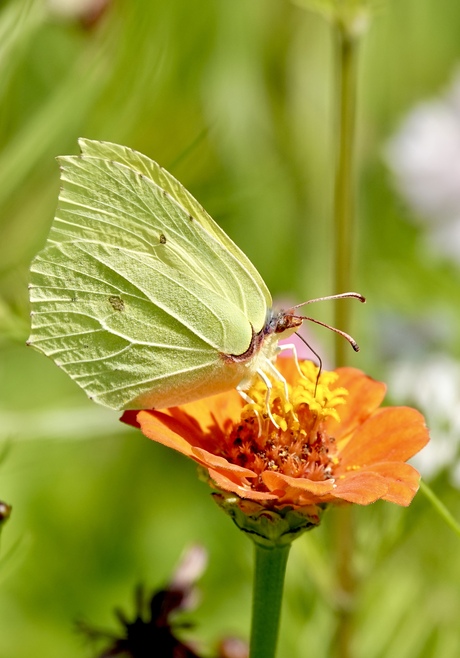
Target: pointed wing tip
63,159
83,141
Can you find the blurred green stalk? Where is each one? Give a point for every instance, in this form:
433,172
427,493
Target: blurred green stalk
441,509
344,190
344,238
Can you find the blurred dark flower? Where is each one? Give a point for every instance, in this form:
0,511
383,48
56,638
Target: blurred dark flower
152,630
424,156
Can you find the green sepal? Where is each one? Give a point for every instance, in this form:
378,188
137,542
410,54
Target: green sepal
266,526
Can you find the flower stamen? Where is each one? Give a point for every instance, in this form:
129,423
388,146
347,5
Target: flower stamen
291,438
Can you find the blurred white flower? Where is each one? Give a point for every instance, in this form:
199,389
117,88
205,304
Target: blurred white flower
424,156
192,565
433,387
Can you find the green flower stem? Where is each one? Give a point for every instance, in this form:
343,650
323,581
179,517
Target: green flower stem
270,567
344,191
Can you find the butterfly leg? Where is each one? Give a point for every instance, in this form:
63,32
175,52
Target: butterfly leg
279,377
249,400
292,347
269,386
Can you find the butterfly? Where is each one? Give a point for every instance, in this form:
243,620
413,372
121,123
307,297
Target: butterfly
140,297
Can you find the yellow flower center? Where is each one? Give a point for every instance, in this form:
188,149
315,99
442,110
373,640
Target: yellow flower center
299,446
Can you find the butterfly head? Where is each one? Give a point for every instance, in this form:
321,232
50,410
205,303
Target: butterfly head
282,322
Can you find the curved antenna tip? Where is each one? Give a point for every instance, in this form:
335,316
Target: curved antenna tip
342,295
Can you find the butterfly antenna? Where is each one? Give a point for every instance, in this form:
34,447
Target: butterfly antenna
342,295
319,359
347,337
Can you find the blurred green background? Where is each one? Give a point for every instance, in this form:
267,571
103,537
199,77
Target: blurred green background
234,97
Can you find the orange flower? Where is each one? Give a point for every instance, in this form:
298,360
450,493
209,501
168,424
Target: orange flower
328,442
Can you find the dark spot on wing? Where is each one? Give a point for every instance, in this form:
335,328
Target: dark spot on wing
117,303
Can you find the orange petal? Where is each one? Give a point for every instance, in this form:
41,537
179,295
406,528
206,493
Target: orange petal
279,482
391,434
159,427
183,423
227,484
364,397
357,487
360,487
164,429
287,367
215,409
130,418
403,481
187,427
220,464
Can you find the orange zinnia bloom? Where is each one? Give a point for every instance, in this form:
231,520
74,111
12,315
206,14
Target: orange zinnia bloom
330,442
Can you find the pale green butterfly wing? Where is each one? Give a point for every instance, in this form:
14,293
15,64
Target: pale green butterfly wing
106,201
144,165
105,332
134,298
